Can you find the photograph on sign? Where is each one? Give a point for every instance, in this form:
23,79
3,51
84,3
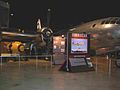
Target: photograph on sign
79,45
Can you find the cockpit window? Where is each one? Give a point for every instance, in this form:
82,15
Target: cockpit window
107,22
113,22
118,21
103,22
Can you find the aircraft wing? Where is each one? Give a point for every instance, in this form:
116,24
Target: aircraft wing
12,36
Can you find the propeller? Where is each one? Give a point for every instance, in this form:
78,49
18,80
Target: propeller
45,32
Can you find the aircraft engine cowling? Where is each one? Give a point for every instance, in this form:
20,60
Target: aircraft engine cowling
15,47
46,32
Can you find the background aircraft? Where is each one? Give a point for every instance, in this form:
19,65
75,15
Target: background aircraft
104,34
38,40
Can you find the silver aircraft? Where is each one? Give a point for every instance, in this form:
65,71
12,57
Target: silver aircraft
104,34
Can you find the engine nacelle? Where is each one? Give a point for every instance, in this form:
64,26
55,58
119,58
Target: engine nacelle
46,32
15,47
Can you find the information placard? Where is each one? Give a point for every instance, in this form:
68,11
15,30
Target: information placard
77,61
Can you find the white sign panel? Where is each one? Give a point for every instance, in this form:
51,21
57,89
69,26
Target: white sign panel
77,61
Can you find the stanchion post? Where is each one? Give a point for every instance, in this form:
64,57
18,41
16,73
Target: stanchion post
67,62
36,61
19,60
109,67
51,60
96,68
0,46
1,61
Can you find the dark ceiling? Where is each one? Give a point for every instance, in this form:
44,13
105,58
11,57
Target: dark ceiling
64,13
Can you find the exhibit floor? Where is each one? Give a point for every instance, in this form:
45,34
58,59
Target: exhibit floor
28,76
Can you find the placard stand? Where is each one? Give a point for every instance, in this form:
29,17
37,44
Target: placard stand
77,53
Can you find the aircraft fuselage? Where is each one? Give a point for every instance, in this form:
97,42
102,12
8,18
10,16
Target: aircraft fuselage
104,33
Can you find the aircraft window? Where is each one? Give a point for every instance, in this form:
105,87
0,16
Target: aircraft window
118,22
116,19
93,25
107,22
103,22
113,22
110,19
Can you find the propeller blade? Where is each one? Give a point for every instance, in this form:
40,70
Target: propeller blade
48,18
39,25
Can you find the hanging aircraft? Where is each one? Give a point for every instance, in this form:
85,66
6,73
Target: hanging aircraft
104,34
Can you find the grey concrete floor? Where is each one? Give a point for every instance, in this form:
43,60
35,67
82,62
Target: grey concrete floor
29,77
